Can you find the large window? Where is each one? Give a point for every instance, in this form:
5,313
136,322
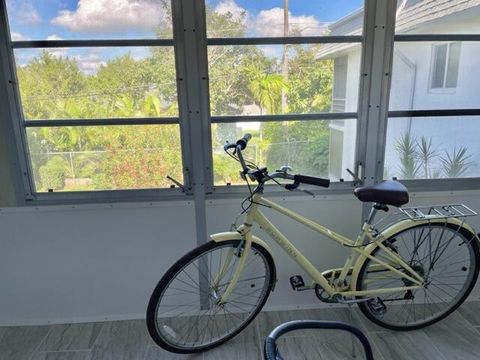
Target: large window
98,95
434,97
281,70
107,96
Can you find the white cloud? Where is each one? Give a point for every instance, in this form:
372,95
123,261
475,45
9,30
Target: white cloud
54,37
57,52
270,23
230,6
27,14
18,37
90,63
112,15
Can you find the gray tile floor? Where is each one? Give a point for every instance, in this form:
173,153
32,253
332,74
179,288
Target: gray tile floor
457,337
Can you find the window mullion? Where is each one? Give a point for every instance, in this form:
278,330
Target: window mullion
377,67
13,133
192,68
379,29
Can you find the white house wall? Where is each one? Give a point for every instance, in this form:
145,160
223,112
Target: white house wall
411,90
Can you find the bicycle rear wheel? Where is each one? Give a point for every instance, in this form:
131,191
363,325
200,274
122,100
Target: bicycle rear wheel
448,258
184,315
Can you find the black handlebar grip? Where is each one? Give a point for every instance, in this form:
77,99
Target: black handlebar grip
243,141
312,180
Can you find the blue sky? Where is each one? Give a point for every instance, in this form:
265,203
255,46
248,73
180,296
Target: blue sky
323,10
104,19
35,21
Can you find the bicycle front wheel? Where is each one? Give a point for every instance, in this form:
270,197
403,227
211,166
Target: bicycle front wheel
184,314
445,255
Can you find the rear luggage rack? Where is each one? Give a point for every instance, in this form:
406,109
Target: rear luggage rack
438,212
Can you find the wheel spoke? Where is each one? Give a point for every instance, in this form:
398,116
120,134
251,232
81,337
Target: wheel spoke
431,251
188,314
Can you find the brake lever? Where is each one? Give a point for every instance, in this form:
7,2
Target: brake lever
296,188
306,192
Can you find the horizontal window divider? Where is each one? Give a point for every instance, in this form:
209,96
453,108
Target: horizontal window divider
283,117
433,113
285,40
437,37
449,184
234,191
107,196
101,122
89,43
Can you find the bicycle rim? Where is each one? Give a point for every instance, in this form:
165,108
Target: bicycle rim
188,315
445,255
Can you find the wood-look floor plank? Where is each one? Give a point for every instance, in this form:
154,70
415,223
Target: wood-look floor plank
157,353
61,355
118,352
71,337
301,348
455,337
234,351
123,332
121,340
19,342
405,345
471,312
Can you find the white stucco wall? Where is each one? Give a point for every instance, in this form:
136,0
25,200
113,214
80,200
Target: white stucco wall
95,262
411,90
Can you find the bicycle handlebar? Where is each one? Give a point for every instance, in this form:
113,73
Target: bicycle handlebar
244,141
298,179
241,144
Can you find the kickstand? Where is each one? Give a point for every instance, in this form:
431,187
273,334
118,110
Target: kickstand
350,311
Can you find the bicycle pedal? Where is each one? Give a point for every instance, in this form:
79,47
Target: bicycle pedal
297,282
377,306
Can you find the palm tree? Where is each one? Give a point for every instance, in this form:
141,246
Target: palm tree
267,90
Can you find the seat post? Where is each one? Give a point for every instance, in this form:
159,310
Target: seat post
373,212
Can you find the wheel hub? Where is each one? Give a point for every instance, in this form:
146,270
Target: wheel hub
419,269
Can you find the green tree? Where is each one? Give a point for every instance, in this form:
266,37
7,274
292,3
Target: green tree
48,84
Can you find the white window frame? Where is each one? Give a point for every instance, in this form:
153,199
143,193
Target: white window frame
443,89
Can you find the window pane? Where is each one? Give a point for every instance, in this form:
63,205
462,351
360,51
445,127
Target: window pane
453,64
104,157
439,61
251,80
97,82
250,18
438,17
307,147
89,19
421,148
413,76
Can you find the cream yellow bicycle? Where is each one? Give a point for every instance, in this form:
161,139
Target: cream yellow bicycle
406,275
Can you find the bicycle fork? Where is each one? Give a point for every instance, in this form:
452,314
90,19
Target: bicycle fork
243,251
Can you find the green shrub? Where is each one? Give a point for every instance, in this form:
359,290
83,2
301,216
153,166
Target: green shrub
52,174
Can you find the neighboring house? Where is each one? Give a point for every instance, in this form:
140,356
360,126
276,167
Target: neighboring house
426,75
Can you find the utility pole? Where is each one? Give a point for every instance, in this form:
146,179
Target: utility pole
285,54
285,78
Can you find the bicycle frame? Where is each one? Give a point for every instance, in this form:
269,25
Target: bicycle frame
351,267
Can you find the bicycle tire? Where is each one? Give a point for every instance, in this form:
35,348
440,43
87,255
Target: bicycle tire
468,238
153,324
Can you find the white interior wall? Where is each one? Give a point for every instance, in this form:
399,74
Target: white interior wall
95,262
